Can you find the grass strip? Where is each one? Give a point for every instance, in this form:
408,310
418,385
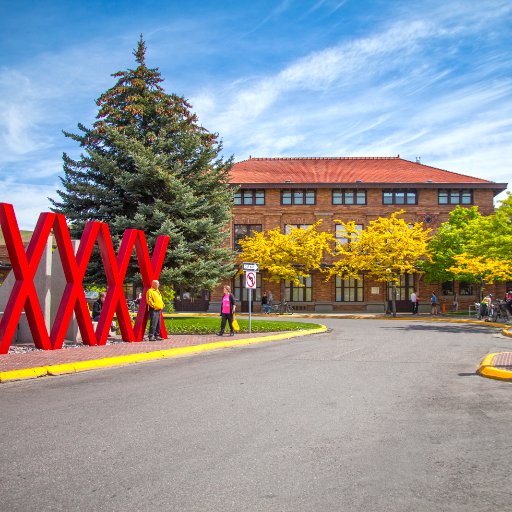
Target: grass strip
211,325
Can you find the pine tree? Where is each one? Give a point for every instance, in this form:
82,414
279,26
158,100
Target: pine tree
148,164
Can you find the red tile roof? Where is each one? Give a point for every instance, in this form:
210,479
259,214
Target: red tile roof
343,170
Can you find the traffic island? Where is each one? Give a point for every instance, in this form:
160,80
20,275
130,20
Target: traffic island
497,366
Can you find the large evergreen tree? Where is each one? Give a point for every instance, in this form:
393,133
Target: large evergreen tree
148,164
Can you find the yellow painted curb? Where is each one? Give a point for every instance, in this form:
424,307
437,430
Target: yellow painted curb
91,364
26,373
507,332
487,370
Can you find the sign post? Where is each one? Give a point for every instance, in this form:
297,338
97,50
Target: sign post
250,283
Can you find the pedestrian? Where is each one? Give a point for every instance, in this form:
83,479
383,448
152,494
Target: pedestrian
485,307
227,310
96,311
508,298
433,304
155,305
269,298
414,302
264,303
455,304
98,306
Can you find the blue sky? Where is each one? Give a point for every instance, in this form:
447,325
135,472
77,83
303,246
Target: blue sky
430,79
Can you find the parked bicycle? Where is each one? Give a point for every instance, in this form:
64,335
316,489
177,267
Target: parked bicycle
281,308
498,311
492,312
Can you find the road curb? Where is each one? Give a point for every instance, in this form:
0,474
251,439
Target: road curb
487,368
92,364
507,331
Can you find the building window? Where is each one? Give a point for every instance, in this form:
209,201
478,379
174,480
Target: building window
298,196
349,290
242,231
288,227
455,196
399,197
250,197
447,288
465,288
297,293
348,197
341,233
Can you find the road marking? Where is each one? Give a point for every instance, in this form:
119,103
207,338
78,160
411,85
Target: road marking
349,352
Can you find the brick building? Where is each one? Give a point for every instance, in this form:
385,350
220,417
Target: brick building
281,192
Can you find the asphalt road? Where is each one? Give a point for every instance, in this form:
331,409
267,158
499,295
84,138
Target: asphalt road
373,416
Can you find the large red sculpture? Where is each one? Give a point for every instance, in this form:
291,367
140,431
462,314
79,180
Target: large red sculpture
24,265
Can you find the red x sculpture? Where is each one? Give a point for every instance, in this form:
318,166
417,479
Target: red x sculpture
24,295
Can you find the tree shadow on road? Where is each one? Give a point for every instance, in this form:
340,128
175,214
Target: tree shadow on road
453,328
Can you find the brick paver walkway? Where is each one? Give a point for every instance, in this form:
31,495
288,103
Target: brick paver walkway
503,361
76,353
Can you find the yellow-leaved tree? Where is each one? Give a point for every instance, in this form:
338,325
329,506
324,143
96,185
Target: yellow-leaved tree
479,268
386,249
287,256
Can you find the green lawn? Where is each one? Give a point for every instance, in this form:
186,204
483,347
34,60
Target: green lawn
211,325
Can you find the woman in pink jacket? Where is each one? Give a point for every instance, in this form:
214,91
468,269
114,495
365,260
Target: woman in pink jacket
227,310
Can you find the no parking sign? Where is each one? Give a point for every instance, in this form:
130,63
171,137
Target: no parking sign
250,280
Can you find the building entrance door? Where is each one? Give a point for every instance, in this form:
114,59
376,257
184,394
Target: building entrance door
403,294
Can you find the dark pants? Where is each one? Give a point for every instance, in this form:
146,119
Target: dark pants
229,318
154,322
414,307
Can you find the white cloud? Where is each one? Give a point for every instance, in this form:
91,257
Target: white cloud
400,91
27,199
42,97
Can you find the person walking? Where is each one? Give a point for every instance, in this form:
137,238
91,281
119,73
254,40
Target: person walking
269,298
264,303
433,304
155,306
227,310
414,302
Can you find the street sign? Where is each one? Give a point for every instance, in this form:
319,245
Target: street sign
251,266
250,280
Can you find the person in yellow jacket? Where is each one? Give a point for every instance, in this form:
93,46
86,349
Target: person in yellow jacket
155,306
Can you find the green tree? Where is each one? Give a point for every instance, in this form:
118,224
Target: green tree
148,164
385,250
491,236
451,240
474,248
